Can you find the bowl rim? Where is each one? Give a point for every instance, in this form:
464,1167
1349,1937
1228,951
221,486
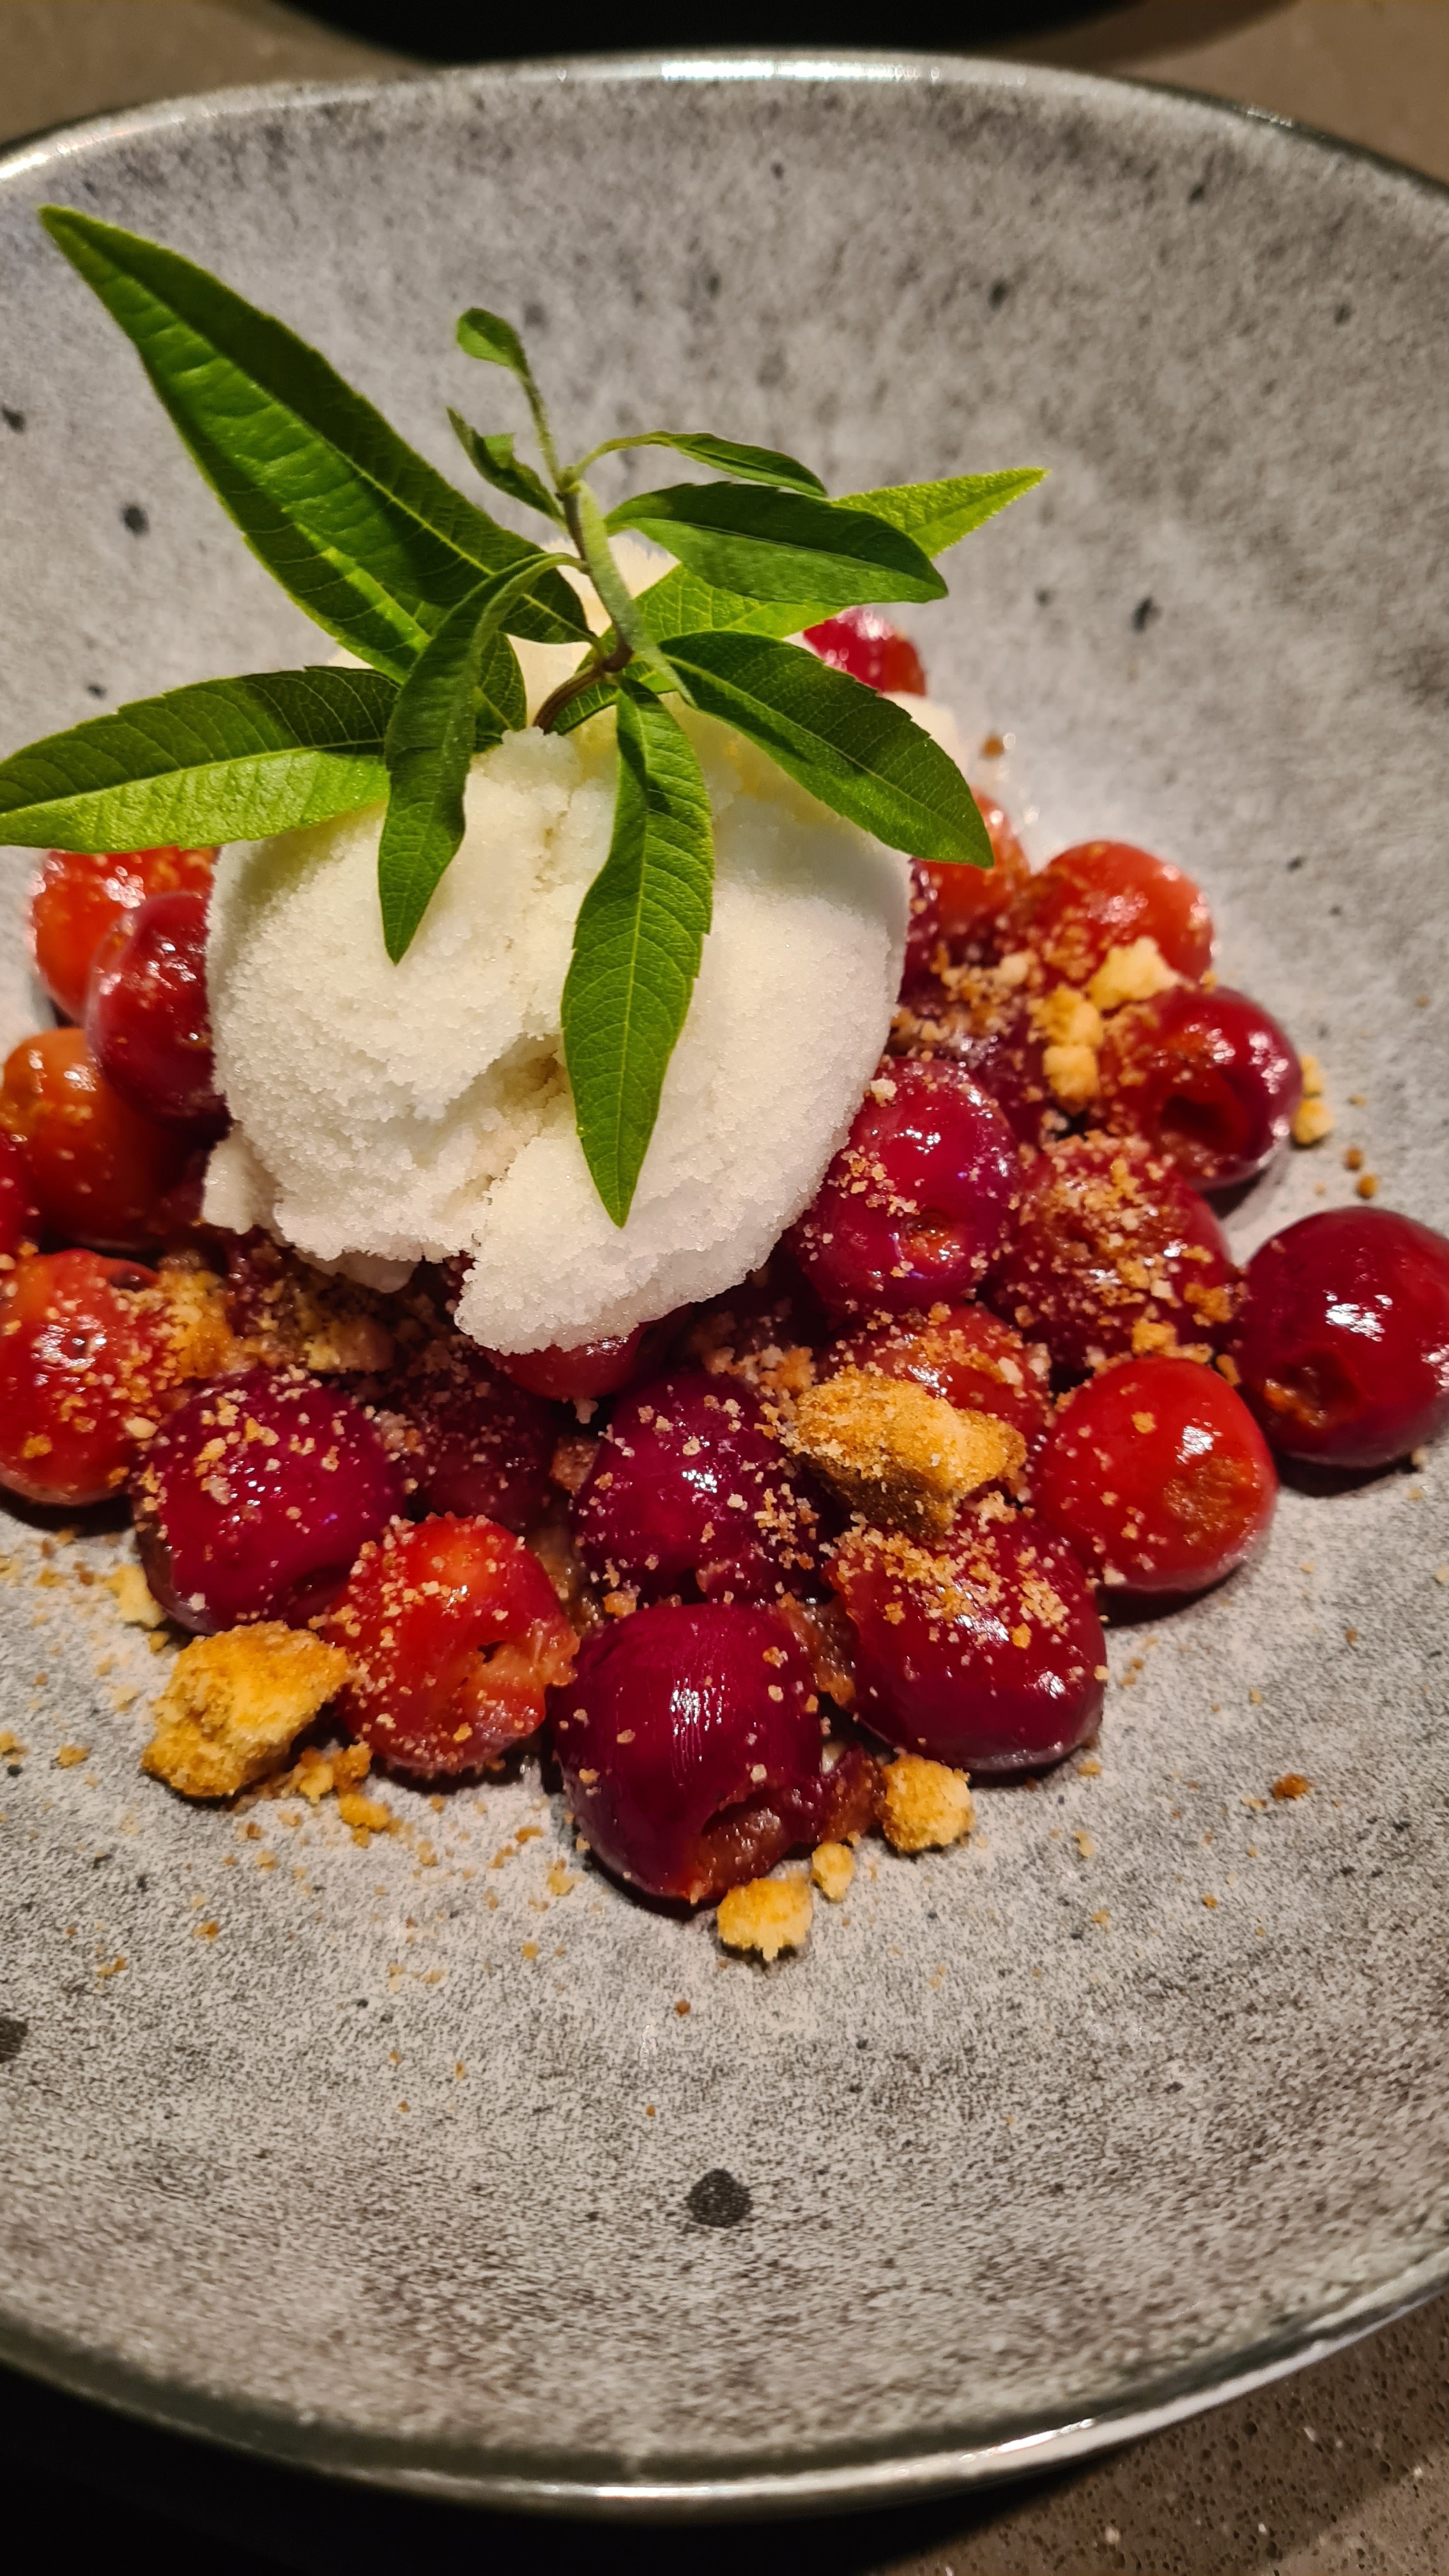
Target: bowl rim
890,2471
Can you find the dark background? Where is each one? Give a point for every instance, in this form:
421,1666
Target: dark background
460,31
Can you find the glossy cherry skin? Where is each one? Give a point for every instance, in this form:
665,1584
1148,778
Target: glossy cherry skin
986,1653
1209,1078
455,1636
688,1489
146,1012
84,1365
20,1218
986,1031
468,1441
1343,1346
75,897
960,908
1106,894
690,1741
863,643
917,1203
1158,1476
589,1370
963,1354
255,1497
1112,1251
98,1167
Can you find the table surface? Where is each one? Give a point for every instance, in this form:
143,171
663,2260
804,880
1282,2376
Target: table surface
1343,2467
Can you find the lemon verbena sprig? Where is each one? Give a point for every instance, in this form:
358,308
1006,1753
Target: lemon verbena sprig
428,591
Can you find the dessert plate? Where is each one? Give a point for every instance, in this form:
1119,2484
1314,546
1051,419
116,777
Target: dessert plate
439,2162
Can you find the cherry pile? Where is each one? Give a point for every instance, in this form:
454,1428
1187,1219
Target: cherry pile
633,1544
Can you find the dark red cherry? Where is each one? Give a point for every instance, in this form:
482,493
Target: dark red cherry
985,1652
1208,1078
1106,894
918,1202
146,1012
864,643
688,1488
469,1442
1158,1476
1343,1345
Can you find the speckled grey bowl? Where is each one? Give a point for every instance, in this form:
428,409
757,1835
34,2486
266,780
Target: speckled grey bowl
387,2159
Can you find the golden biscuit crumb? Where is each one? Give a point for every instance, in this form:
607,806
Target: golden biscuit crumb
135,1600
70,1754
1131,974
1066,1018
1292,1785
1312,1119
1367,1185
365,1816
1072,1074
561,1881
236,1703
768,1915
924,1805
832,1866
895,1452
317,1773
12,1749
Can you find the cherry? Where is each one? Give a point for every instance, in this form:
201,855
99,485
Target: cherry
960,907
254,1498
146,1012
470,1443
984,1028
1208,1078
20,1219
962,1353
455,1636
1106,894
688,1487
84,1360
1112,1254
590,1369
76,896
864,643
1343,1346
98,1166
986,1653
917,1203
1158,1476
690,1743
763,1330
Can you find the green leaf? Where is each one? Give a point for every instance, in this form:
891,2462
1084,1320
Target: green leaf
489,337
360,531
939,515
589,702
681,604
494,458
436,726
725,455
859,754
781,545
222,760
504,700
637,947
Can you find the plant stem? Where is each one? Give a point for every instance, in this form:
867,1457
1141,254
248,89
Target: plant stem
578,681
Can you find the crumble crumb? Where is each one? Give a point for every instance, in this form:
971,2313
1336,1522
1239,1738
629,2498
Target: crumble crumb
1066,1018
924,1805
1072,1074
832,1866
1367,1185
767,1914
891,1449
317,1773
1292,1785
236,1703
135,1601
1131,974
365,1816
70,1754
1313,1118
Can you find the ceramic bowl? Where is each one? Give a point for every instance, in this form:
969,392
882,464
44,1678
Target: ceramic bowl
399,2162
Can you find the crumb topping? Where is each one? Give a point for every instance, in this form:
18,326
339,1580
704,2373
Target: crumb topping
767,1914
893,1450
925,1806
235,1705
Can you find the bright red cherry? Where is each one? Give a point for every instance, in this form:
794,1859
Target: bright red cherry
917,1203
962,1353
20,1219
986,1653
76,896
98,1166
690,1744
864,643
1208,1078
1158,1476
588,1370
1113,1254
961,908
1343,1345
688,1488
146,1012
985,1029
455,1637
254,1498
470,1443
1106,894
84,1360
